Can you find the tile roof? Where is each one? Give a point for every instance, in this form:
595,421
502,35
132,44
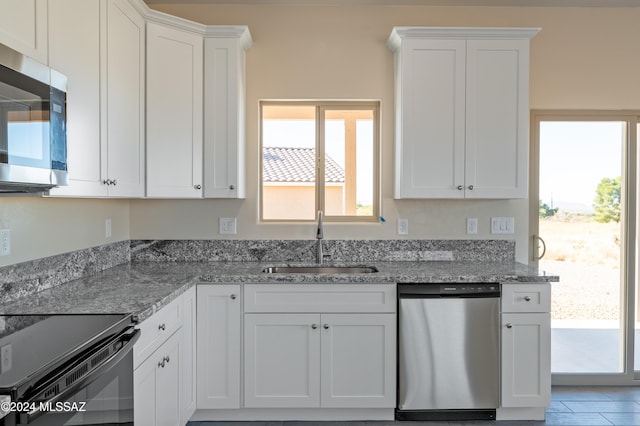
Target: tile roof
296,165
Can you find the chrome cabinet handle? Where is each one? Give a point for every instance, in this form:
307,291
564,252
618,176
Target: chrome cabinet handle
232,187
460,187
233,297
527,298
197,186
471,187
326,326
314,326
165,360
162,327
509,325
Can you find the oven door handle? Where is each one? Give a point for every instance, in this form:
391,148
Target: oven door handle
131,336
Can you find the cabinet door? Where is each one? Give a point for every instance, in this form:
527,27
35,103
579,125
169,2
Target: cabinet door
218,359
124,113
78,57
168,362
526,360
144,393
358,360
431,119
282,360
23,27
497,118
174,113
224,129
188,355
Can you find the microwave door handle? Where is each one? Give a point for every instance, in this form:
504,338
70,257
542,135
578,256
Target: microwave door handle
99,370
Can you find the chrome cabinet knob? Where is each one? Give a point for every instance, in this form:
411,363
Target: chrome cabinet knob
114,182
314,326
232,187
197,186
167,359
326,326
233,297
509,325
471,187
460,187
162,327
527,298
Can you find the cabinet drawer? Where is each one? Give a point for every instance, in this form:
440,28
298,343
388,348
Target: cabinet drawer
320,298
526,298
155,330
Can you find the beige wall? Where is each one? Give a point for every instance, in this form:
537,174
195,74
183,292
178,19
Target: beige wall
582,58
43,227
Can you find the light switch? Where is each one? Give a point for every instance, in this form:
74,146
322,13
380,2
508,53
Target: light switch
502,225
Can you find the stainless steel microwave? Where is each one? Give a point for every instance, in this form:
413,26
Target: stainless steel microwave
33,136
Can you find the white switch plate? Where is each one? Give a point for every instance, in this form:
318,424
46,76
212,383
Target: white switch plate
502,225
472,225
403,226
107,228
227,225
5,242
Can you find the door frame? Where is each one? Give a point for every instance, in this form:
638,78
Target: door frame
628,222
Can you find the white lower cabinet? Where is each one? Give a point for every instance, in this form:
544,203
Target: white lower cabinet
164,365
342,359
156,386
319,360
526,345
218,348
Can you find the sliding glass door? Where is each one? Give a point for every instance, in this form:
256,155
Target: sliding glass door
583,208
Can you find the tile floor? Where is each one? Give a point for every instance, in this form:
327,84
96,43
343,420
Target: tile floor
571,406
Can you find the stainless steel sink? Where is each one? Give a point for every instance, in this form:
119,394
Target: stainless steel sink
320,269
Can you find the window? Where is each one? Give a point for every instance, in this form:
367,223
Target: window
319,156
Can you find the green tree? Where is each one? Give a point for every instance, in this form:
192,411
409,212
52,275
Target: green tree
607,201
545,210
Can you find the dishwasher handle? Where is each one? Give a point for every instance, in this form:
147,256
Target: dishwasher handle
450,290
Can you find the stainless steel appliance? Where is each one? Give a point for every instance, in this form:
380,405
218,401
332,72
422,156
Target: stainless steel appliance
66,370
33,141
448,351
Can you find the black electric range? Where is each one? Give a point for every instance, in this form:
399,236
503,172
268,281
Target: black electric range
66,369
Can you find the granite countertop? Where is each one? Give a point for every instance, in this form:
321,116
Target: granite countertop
143,288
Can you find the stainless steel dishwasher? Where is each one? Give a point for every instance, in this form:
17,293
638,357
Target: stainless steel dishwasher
448,351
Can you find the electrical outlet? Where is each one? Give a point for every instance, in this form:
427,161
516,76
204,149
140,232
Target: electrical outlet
472,225
403,226
5,242
6,358
107,228
227,225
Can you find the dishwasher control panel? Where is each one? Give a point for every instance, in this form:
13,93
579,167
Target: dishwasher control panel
420,290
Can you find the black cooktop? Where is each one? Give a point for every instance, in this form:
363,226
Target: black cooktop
31,345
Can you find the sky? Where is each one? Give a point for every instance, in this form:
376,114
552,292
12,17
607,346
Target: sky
574,157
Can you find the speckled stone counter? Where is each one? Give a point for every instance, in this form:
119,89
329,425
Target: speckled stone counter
142,288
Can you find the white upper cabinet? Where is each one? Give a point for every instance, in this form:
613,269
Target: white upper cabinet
123,100
174,112
224,111
462,112
79,59
23,27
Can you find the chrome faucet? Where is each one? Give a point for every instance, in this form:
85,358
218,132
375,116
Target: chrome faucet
319,237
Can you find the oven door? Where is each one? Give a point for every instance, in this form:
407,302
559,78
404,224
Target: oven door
100,390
